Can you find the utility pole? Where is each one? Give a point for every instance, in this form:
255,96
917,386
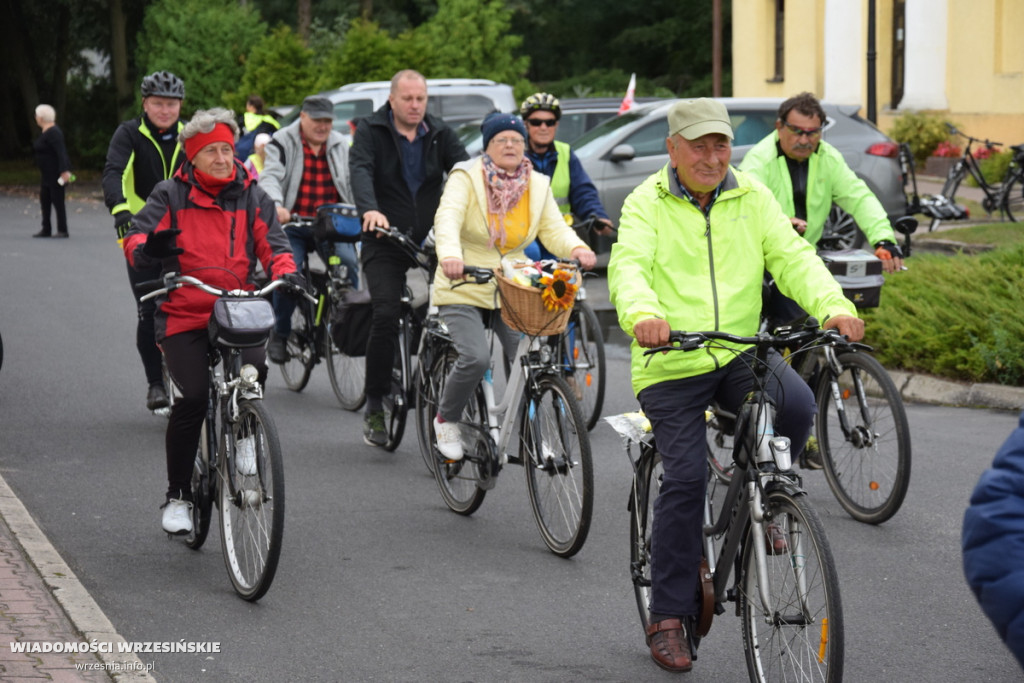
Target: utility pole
716,48
872,117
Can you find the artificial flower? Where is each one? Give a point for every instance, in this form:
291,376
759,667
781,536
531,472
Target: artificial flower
558,293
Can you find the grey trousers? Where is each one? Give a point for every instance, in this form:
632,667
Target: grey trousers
468,325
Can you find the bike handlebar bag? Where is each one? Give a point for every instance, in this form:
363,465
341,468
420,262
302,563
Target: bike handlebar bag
240,322
858,272
337,223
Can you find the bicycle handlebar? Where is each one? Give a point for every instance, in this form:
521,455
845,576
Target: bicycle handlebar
988,143
475,275
421,256
172,281
810,332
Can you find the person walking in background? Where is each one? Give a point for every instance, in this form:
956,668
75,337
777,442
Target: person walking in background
993,542
144,151
399,159
55,171
254,122
306,167
254,164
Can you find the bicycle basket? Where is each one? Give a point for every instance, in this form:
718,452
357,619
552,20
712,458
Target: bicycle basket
337,223
522,309
240,322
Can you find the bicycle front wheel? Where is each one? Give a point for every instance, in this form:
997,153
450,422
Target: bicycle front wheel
864,438
299,348
585,343
428,387
348,375
555,452
647,485
1013,197
396,403
251,500
791,610
202,494
721,427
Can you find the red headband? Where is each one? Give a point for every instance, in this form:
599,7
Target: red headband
220,133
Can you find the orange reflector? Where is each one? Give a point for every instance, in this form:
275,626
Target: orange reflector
589,379
575,353
846,394
823,640
873,486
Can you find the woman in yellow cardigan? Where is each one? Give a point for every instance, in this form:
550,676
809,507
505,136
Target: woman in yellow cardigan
492,207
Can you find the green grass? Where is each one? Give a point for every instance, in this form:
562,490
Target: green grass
954,315
995,234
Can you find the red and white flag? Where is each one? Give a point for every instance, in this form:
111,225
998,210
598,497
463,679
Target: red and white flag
627,101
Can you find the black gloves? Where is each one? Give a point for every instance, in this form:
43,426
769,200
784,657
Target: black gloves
295,280
160,244
893,249
122,223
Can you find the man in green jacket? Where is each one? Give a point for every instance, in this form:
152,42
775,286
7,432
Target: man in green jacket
694,241
807,175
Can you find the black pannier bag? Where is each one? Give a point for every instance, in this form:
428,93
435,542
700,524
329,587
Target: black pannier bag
350,323
240,322
337,223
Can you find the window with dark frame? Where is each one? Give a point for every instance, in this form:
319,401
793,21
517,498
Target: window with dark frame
780,41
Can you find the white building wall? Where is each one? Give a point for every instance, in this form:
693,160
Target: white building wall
924,85
845,52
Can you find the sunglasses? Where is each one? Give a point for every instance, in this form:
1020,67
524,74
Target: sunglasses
537,123
798,131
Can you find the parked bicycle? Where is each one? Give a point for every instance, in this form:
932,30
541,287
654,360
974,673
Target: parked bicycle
537,406
239,464
318,326
787,597
997,195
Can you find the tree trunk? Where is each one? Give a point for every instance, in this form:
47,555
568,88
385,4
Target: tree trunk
119,61
62,61
305,18
21,72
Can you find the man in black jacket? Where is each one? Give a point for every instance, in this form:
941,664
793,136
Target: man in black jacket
144,151
397,164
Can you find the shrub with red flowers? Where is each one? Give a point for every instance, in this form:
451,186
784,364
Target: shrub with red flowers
947,149
983,152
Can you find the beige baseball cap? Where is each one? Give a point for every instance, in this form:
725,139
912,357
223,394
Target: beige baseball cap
694,118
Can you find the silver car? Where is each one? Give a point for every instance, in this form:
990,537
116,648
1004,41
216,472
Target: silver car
621,152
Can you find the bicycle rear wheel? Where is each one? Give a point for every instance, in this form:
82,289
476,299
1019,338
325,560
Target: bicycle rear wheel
1013,197
555,451
348,375
300,350
464,483
865,449
641,517
428,387
202,494
252,504
798,635
585,344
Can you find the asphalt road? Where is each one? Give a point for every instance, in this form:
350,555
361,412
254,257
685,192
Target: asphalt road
378,581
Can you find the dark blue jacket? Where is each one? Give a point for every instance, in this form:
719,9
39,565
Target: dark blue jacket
993,542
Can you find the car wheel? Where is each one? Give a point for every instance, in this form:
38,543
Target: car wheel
840,231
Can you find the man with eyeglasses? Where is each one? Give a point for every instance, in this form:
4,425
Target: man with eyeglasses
573,190
807,175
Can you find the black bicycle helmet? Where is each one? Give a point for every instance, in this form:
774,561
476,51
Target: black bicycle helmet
541,101
163,84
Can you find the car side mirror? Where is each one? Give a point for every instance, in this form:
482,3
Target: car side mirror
622,153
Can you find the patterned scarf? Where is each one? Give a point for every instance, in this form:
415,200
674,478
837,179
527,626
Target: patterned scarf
504,190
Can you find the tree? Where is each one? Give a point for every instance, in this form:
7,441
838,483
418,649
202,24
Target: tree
279,68
204,42
485,45
367,54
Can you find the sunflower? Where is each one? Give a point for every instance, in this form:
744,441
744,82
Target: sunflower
557,292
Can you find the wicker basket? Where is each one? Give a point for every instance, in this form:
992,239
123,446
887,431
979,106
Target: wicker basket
522,309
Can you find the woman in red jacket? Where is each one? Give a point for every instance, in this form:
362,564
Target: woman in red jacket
212,222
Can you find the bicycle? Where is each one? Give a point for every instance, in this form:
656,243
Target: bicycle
239,463
403,374
315,333
539,407
582,346
995,197
788,598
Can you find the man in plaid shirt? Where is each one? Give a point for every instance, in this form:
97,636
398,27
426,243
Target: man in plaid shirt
306,167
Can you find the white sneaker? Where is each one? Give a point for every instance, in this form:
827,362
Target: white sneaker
178,517
245,456
449,439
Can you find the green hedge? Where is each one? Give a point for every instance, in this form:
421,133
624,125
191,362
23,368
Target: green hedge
955,316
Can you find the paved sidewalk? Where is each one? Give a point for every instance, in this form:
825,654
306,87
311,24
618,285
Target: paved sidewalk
43,608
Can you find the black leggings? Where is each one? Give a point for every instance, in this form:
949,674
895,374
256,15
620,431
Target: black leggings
187,355
145,331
